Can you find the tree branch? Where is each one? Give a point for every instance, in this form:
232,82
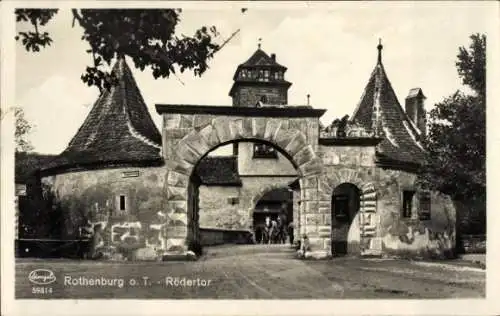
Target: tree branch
77,17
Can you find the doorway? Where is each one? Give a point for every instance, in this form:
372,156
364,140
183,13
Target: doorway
345,206
276,206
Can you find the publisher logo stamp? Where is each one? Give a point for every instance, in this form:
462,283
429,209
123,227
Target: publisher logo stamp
42,277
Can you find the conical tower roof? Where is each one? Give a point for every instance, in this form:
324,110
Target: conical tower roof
118,129
380,111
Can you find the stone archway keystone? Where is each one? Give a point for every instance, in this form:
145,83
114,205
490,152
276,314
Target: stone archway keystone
258,127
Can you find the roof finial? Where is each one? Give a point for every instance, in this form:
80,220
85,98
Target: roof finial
379,47
308,99
260,42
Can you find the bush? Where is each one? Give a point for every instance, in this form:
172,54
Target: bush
195,247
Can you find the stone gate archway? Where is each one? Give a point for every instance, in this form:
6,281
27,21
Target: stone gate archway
190,132
262,193
368,219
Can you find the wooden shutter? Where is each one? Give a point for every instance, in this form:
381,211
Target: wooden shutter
424,210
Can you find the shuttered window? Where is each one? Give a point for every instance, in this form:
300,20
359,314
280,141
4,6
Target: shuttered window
424,209
233,200
407,203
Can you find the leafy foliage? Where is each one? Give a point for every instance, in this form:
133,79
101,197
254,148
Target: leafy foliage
456,141
146,35
34,41
471,64
22,131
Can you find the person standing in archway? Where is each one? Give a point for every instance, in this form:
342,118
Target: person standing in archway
290,232
267,231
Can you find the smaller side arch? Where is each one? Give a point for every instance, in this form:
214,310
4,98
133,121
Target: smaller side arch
268,188
263,191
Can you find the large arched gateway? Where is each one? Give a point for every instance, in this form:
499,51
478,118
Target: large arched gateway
190,132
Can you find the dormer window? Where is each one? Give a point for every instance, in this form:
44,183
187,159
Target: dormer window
260,76
266,75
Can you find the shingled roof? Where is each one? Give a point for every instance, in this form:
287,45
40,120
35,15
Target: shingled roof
221,170
260,58
380,111
118,129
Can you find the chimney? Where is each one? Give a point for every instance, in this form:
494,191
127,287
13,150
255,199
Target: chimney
273,57
414,107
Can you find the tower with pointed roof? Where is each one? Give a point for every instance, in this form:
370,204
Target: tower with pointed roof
260,79
118,129
380,112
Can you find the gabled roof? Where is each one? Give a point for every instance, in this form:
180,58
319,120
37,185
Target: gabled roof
415,92
380,111
222,170
260,58
119,127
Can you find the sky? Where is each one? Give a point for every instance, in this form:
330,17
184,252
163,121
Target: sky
330,52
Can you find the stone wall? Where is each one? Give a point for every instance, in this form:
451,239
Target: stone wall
247,165
216,211
412,236
379,227
249,96
139,231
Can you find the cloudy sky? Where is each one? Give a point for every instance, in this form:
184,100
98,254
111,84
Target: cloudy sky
329,51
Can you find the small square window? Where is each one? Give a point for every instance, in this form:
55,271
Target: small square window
407,203
424,208
233,200
122,203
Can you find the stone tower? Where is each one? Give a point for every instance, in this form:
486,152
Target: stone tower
260,79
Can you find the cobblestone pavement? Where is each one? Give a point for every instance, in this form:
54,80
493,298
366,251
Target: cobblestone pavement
255,272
